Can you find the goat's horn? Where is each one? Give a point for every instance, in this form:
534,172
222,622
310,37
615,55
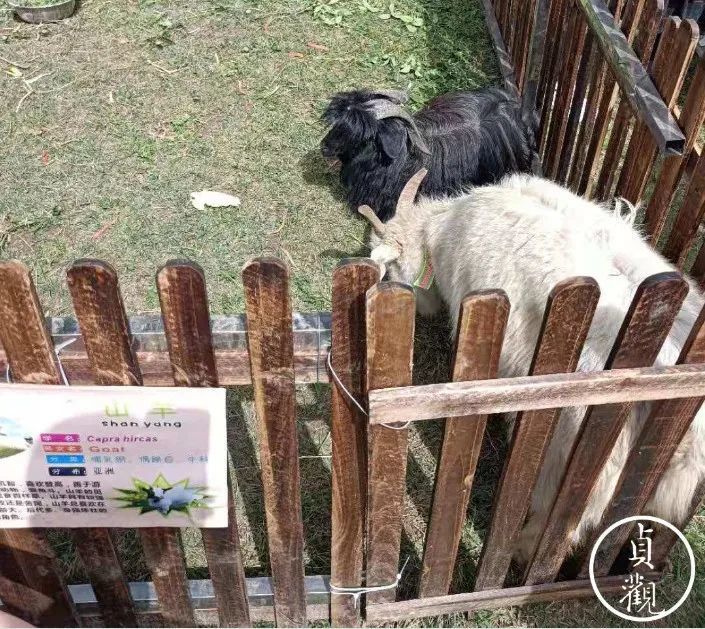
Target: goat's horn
398,96
377,225
383,108
411,188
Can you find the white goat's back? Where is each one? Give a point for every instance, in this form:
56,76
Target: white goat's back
524,236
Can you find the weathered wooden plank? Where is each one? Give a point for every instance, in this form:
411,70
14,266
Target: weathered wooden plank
506,67
546,83
689,217
96,548
233,367
650,457
390,344
671,61
613,154
184,305
574,127
632,77
571,306
648,322
351,281
522,40
483,319
596,74
646,24
535,58
386,613
27,559
575,42
559,57
530,393
101,314
270,342
690,119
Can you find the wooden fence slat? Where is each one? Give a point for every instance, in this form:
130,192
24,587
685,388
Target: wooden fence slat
596,71
675,50
184,305
645,328
27,559
575,42
384,614
609,168
574,128
689,217
390,345
523,39
551,116
571,306
351,280
483,319
691,119
546,84
650,457
271,346
101,315
646,23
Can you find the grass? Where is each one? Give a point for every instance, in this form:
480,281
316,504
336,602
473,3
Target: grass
110,119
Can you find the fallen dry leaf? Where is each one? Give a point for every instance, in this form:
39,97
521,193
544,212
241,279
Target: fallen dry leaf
45,157
103,230
319,47
210,198
295,55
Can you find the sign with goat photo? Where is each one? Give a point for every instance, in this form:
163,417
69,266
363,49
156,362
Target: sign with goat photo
112,457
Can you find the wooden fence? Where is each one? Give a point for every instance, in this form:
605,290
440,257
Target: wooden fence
619,96
372,339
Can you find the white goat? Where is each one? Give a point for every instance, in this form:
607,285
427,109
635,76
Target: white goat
524,235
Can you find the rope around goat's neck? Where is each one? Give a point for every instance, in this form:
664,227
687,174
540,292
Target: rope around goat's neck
351,397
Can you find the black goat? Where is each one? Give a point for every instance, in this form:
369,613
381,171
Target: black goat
463,139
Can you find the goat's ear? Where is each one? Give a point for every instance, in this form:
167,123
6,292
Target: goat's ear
391,138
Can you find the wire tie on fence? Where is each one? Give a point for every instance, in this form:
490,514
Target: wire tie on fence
57,351
351,397
357,592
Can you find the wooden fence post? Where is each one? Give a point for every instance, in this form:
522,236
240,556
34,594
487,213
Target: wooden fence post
483,319
390,348
101,316
649,459
567,319
646,326
351,281
271,347
27,558
184,305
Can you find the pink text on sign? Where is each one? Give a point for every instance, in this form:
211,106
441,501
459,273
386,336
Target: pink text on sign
60,438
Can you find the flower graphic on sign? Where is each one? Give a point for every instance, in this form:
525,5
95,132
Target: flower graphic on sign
163,496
